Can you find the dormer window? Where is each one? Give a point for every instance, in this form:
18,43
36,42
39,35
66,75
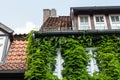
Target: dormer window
84,22
5,41
4,47
115,21
100,22
2,43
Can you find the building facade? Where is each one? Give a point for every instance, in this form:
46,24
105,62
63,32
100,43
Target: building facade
12,54
96,20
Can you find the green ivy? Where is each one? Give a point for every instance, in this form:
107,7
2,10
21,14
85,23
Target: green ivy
75,60
108,57
40,60
42,53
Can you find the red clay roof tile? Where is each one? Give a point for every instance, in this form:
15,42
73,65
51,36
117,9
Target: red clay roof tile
16,59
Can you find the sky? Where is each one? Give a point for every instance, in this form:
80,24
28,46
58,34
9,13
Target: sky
25,15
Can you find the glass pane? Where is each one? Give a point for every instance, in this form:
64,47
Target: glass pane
112,19
86,19
117,18
101,19
97,19
81,19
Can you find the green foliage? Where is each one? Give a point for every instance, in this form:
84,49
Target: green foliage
41,57
107,58
75,61
40,60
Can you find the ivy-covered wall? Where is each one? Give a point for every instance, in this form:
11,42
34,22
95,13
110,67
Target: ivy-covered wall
42,52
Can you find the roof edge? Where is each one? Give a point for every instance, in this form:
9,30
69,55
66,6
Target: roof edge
5,28
75,32
95,7
12,71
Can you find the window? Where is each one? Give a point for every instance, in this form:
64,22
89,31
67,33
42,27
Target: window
4,47
58,66
115,21
100,22
99,19
92,65
84,22
2,43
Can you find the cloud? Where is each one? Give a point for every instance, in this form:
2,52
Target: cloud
26,28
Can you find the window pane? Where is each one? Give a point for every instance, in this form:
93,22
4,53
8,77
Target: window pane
117,18
81,19
86,19
101,19
97,19
112,19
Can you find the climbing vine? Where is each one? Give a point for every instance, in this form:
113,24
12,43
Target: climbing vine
40,60
75,60
42,52
108,57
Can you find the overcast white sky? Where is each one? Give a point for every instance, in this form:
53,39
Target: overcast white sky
24,15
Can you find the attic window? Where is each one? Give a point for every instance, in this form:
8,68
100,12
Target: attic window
4,47
100,22
84,22
99,19
115,21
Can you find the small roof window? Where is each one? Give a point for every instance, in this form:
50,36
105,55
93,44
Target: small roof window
6,37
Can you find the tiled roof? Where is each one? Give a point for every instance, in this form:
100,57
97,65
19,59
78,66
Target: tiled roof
57,23
16,59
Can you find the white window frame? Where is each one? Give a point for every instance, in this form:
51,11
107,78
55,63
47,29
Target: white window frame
92,65
4,48
117,24
89,23
58,65
97,27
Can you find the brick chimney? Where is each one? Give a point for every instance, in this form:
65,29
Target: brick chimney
53,13
48,13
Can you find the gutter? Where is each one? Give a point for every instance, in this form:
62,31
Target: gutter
74,32
12,71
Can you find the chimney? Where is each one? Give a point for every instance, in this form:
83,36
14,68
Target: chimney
48,13
53,13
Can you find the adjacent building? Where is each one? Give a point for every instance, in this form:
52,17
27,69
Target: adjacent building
12,54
